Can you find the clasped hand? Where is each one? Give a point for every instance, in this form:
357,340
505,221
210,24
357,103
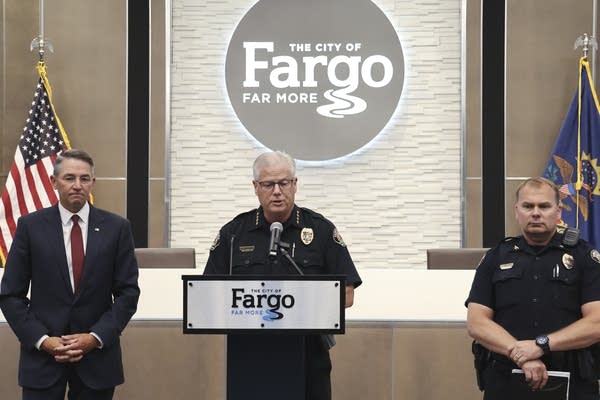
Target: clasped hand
525,350
526,354
69,348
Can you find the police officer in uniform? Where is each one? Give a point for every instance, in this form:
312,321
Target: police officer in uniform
535,302
242,247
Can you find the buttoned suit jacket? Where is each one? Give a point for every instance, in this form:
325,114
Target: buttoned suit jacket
104,303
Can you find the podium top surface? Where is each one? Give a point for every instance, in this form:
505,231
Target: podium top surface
240,277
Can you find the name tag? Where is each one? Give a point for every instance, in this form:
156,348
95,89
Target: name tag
506,266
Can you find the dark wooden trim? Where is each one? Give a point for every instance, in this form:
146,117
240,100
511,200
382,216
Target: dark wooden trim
138,119
492,119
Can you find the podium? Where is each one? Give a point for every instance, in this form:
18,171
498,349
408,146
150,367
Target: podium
266,320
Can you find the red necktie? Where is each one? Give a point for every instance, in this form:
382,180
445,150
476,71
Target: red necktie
76,251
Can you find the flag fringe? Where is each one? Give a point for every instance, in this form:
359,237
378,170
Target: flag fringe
41,68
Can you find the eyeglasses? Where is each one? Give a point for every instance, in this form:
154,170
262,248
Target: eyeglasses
84,179
283,184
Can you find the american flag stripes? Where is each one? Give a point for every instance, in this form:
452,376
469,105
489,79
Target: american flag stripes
28,187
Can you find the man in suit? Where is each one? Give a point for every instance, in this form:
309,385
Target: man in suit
83,276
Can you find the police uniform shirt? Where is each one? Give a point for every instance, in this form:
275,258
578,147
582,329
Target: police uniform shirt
533,290
315,245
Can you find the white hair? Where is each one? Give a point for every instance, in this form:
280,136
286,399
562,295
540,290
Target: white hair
268,158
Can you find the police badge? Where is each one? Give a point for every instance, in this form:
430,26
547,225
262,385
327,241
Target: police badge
568,261
307,235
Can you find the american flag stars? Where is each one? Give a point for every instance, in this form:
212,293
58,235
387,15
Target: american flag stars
42,136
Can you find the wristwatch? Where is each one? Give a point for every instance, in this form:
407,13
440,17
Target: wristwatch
543,342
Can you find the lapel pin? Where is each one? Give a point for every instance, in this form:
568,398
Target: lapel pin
97,229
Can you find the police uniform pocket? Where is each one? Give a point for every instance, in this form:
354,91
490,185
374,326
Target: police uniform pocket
311,263
565,288
249,263
508,284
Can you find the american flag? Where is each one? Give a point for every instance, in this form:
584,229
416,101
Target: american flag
28,187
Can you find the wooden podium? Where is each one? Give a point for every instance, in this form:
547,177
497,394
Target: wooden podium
266,319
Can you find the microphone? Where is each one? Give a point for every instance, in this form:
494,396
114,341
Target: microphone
276,229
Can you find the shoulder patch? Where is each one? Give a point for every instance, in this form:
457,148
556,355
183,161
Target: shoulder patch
338,238
216,242
595,254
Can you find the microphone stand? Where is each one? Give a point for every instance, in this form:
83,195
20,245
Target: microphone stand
231,255
283,246
328,340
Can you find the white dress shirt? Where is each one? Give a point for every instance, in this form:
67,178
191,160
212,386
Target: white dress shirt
67,225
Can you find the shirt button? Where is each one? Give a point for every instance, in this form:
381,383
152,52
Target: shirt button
247,262
275,262
535,277
537,258
535,324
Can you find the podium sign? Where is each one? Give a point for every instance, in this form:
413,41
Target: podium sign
250,304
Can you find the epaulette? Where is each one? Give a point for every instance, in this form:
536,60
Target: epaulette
231,227
238,218
244,214
509,242
315,214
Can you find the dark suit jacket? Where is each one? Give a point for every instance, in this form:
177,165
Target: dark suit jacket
106,300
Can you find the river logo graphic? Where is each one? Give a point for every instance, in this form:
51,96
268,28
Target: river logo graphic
317,78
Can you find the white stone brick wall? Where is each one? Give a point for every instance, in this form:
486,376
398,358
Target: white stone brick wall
391,200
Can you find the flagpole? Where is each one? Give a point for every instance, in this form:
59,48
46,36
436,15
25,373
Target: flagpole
41,17
40,43
594,19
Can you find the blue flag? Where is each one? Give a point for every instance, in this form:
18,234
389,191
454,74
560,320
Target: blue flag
573,163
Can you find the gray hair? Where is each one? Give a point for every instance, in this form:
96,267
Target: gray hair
270,157
72,154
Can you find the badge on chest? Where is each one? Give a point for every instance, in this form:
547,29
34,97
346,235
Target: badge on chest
568,261
307,235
